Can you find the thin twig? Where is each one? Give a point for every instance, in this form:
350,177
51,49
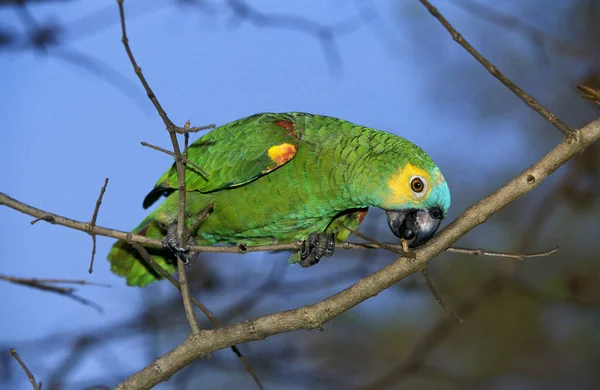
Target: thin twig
590,93
516,256
138,71
183,236
157,267
399,250
184,158
49,286
93,224
528,99
30,376
512,23
180,166
437,296
187,130
432,339
32,281
209,314
155,243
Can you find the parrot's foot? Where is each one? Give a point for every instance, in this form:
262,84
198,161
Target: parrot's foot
171,243
317,246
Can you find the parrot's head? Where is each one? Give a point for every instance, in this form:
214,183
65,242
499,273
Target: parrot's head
416,199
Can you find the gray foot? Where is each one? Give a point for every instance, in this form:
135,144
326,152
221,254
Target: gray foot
316,246
171,243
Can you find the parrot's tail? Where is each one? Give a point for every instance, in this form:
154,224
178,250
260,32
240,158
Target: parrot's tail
126,261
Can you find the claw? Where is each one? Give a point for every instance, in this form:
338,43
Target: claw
171,243
330,246
316,246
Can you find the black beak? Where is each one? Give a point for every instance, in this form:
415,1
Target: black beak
415,225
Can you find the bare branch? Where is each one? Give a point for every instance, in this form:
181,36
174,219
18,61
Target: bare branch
437,296
187,129
315,316
440,331
377,244
590,93
55,219
209,314
93,223
509,22
34,384
185,160
50,286
138,71
516,256
528,99
173,130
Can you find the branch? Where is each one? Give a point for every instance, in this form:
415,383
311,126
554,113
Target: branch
511,23
93,223
436,335
34,384
173,130
437,295
315,316
182,235
50,286
516,256
209,314
42,215
590,93
528,99
185,160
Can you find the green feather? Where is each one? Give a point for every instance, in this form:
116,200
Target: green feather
335,167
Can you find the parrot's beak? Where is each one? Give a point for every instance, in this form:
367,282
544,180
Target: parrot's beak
416,226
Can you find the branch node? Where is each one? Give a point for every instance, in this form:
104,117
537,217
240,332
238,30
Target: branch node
46,217
34,384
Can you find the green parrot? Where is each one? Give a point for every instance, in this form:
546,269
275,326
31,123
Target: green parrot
287,177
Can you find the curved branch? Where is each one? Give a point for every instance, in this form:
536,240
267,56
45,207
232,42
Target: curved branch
315,316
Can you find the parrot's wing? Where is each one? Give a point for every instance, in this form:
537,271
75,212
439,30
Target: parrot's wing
235,154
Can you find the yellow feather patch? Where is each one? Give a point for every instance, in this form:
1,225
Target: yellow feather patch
280,154
399,186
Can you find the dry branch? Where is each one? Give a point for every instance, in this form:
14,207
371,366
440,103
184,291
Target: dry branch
182,235
93,223
55,219
185,160
528,99
30,376
208,313
179,165
53,286
315,316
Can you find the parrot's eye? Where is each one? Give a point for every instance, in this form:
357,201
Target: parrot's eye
417,185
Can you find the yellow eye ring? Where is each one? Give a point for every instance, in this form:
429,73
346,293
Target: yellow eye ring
417,185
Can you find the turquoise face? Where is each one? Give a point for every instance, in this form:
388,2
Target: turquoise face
417,201
439,196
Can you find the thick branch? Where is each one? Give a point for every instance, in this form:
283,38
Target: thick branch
315,316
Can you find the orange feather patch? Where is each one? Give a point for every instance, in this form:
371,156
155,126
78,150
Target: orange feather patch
280,154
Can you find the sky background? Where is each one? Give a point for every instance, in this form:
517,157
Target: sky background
64,129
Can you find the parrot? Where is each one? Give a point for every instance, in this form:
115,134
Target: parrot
288,177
